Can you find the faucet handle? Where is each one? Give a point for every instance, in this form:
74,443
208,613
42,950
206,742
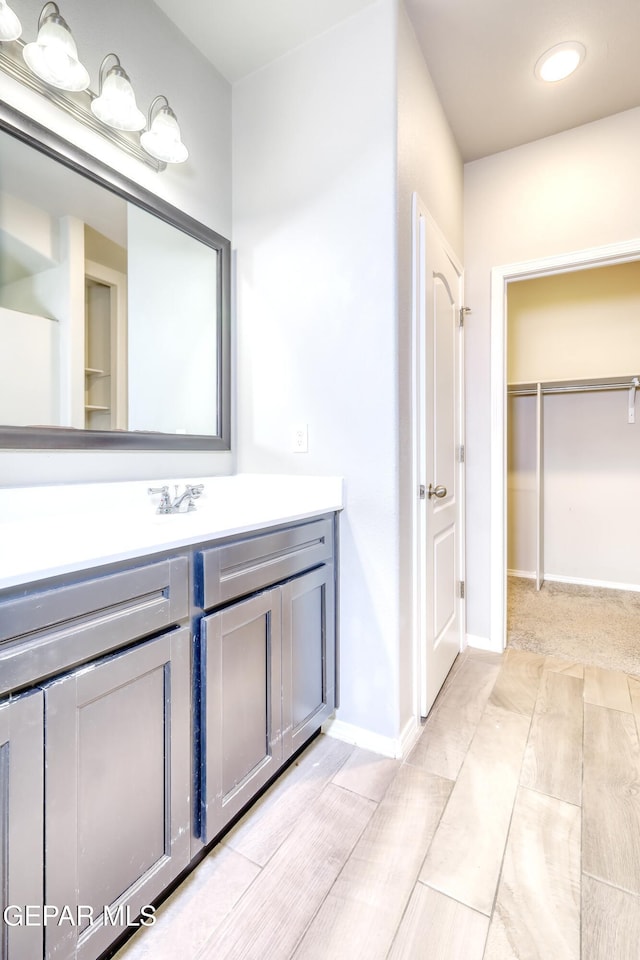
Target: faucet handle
196,490
165,500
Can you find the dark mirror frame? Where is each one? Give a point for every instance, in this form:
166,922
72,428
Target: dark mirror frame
46,141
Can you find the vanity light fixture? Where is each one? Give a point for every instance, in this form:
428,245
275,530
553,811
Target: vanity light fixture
560,61
10,26
162,140
50,66
53,56
115,104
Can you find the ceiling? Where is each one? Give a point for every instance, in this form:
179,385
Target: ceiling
480,53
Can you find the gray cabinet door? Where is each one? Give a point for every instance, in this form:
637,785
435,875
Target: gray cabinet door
242,744
117,790
308,655
21,829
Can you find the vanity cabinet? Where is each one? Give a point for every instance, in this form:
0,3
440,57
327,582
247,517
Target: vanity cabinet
147,705
267,661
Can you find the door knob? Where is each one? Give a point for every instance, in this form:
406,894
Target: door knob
440,492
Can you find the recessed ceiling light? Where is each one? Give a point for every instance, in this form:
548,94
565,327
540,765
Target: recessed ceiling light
561,60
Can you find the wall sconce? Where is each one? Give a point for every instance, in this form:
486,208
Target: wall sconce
54,56
10,26
115,104
162,139
52,62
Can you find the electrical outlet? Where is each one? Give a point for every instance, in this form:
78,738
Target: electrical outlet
301,438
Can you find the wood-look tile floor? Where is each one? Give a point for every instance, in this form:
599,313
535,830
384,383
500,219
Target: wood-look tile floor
511,831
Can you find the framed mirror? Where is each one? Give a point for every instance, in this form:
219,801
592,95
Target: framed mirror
114,307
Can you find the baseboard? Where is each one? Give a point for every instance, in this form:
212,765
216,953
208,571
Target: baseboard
395,747
482,643
409,737
578,581
583,582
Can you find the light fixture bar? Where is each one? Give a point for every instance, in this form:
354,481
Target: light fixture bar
73,104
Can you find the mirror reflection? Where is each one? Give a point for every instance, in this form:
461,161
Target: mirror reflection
108,314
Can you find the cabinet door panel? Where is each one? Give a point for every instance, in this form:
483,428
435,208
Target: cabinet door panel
116,789
241,704
308,655
121,833
21,822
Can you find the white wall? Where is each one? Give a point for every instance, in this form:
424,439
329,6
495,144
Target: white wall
28,369
592,475
429,164
329,144
314,231
172,282
159,59
572,191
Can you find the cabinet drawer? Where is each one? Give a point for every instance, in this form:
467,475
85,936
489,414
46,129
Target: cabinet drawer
49,631
239,568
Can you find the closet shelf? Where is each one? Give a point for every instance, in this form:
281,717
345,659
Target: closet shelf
573,386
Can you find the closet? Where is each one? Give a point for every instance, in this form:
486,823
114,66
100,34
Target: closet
574,427
105,333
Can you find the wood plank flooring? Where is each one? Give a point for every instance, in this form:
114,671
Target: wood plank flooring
511,831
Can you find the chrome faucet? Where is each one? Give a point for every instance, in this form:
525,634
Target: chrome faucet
188,496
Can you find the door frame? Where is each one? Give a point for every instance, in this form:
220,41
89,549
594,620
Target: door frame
418,518
501,276
117,283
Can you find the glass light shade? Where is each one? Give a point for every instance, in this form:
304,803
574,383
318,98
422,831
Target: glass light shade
163,141
54,57
560,61
116,105
10,26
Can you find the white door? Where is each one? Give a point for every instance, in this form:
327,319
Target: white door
438,470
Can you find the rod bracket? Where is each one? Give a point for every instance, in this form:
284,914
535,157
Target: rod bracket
632,399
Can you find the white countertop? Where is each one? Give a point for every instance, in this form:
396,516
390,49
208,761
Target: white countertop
47,531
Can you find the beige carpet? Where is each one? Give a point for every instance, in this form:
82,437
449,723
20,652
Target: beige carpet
590,624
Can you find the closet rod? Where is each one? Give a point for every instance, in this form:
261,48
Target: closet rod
532,390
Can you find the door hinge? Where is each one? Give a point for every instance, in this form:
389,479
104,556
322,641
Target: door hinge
461,589
463,312
461,453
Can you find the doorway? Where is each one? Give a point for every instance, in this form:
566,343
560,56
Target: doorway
105,344
500,279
